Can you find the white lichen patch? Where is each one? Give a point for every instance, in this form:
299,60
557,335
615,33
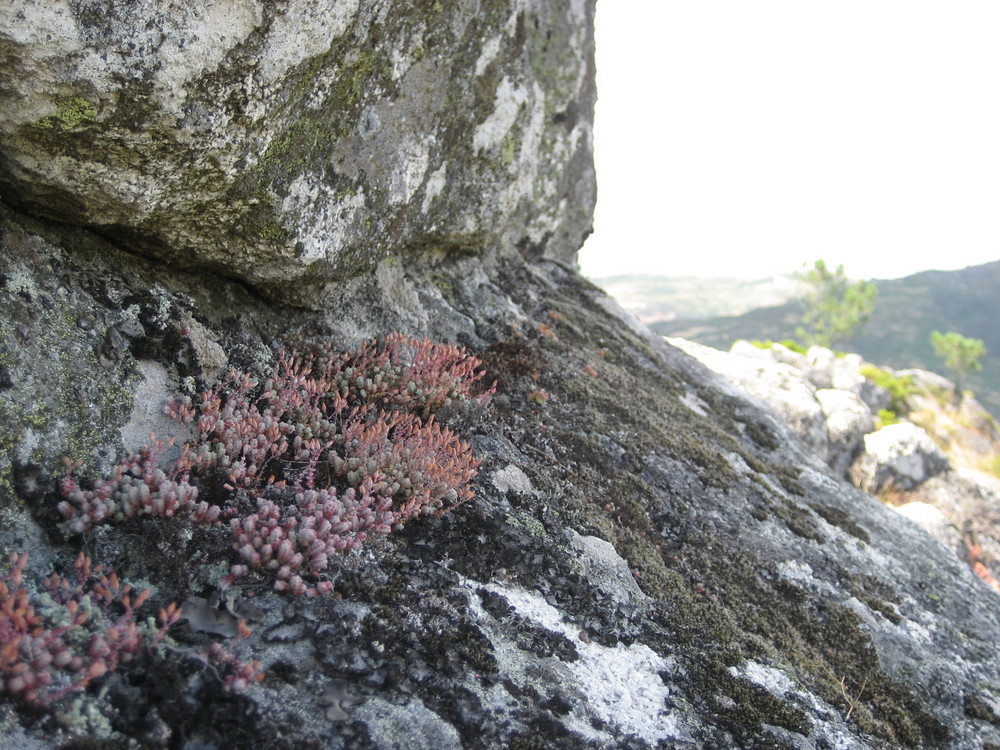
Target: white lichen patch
435,186
20,281
798,572
776,682
695,404
517,8
490,49
621,684
577,11
198,40
402,57
916,631
53,38
737,463
177,45
527,183
302,30
323,220
157,387
412,158
513,478
507,104
407,727
52,28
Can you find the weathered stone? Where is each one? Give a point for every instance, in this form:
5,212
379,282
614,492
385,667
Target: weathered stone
411,726
292,145
848,420
928,384
820,363
875,396
845,373
970,501
606,569
777,352
899,455
156,387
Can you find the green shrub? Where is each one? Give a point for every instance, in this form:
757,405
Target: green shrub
884,418
794,345
899,387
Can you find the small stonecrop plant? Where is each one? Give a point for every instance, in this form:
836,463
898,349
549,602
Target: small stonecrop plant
330,448
70,632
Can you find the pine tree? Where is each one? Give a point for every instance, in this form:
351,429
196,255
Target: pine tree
960,354
835,309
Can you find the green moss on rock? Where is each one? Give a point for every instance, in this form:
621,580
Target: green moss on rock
70,113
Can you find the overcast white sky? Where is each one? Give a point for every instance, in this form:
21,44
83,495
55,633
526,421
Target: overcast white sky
739,138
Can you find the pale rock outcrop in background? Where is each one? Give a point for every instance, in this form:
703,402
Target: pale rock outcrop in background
899,455
946,492
934,522
831,421
848,421
780,385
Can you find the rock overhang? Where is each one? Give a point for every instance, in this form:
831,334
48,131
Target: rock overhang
297,147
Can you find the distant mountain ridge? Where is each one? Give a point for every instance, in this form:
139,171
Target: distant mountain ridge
898,334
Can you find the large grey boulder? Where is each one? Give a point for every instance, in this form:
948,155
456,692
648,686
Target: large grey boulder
295,144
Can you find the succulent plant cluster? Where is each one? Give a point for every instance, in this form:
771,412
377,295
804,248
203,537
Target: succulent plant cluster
137,487
71,632
329,448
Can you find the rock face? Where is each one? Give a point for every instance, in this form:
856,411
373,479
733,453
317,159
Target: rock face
295,146
651,559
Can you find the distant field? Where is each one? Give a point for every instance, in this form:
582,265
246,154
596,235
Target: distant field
664,298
